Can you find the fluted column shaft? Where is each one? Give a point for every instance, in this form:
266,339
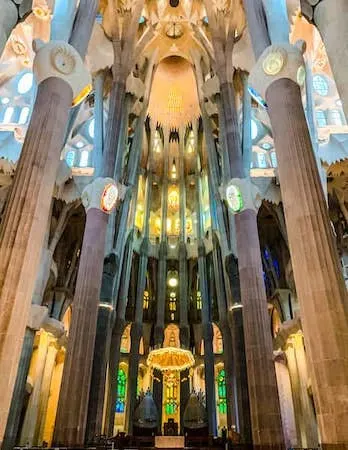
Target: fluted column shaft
318,276
226,335
263,393
24,225
83,25
137,325
73,401
207,325
183,284
32,413
162,258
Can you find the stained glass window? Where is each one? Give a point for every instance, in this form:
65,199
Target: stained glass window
274,159
171,395
121,391
8,114
70,158
321,118
23,118
261,157
84,158
320,85
221,385
190,146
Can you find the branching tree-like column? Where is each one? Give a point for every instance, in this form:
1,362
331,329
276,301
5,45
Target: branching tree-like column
330,18
163,249
25,220
264,402
72,413
207,326
108,345
278,77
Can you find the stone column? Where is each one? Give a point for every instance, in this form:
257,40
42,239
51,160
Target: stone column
263,394
184,395
12,12
31,415
278,76
183,282
329,17
26,215
304,412
72,408
157,389
206,319
45,390
162,257
137,325
226,335
285,399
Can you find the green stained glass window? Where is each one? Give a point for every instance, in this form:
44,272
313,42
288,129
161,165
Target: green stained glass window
221,386
121,391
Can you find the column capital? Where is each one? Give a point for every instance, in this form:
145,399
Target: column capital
101,193
278,62
58,59
308,8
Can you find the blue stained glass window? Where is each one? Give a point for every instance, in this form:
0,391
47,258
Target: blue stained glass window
320,85
70,158
121,391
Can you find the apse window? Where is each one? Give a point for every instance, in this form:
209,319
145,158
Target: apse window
222,394
321,119
25,83
84,158
320,85
121,391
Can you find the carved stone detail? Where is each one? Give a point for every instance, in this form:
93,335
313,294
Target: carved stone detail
60,60
277,62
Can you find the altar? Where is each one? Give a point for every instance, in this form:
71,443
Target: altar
170,442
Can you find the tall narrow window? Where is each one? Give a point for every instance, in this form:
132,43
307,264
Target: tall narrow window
84,158
336,117
70,158
121,391
321,118
261,158
274,159
23,118
199,301
8,114
146,300
221,386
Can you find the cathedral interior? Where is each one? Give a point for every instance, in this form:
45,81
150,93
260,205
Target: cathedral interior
173,224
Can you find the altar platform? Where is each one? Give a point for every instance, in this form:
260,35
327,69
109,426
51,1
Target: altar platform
169,442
